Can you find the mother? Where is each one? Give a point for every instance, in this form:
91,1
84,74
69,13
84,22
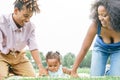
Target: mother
106,24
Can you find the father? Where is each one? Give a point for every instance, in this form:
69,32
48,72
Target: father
16,31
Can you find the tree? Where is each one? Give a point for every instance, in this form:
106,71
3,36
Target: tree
87,60
28,54
68,60
43,59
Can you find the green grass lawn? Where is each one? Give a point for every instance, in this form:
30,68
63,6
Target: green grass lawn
80,71
85,78
83,70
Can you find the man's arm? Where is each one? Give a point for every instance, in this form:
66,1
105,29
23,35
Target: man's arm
3,50
36,57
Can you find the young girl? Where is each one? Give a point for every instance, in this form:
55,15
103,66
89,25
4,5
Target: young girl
54,67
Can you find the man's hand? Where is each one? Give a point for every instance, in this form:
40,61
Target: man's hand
1,77
36,57
43,72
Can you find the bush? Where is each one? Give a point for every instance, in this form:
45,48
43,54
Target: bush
87,60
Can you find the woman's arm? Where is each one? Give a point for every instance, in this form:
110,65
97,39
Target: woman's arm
85,47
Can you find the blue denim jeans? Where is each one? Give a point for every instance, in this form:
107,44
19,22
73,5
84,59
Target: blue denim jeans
100,56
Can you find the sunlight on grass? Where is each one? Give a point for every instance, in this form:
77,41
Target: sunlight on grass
46,78
81,71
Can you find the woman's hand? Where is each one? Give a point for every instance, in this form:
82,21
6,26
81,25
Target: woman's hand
74,74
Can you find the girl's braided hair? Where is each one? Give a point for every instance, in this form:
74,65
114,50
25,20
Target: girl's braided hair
53,55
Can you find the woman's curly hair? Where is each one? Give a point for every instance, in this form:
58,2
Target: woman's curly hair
113,10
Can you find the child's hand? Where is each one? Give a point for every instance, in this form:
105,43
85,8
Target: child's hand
67,71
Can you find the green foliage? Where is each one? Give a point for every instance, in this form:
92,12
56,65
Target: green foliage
28,54
43,59
83,70
68,60
87,60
